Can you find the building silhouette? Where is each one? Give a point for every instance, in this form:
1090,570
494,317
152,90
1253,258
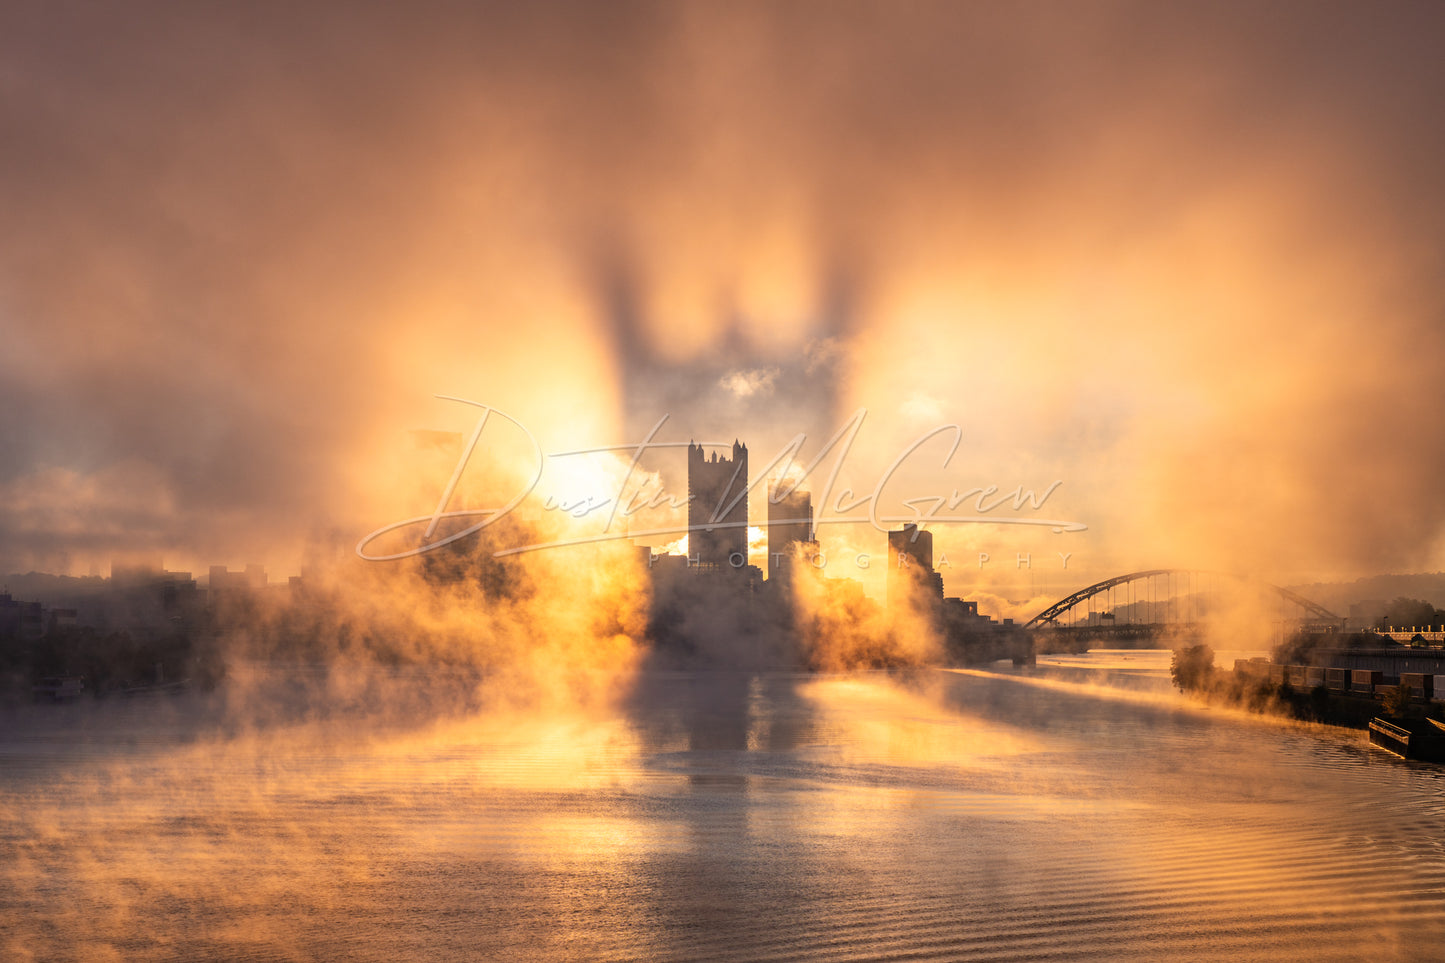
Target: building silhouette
910,567
223,581
717,508
790,532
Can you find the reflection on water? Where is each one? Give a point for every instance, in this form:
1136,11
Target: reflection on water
1079,810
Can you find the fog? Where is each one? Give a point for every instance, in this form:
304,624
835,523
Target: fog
1184,260
1172,269
940,815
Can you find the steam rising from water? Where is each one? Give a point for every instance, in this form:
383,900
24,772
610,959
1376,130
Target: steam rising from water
941,816
1183,258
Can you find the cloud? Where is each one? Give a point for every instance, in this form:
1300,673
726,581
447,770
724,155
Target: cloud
1185,258
745,384
921,407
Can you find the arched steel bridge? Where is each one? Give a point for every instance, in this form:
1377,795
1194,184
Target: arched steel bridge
1050,614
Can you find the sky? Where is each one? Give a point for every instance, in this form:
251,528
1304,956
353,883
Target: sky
1185,260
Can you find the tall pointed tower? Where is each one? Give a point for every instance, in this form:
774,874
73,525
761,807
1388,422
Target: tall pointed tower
717,508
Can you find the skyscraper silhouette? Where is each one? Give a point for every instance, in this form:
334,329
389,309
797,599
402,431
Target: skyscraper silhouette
790,524
717,508
910,566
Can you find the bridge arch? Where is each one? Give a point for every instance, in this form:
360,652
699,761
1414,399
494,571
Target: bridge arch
1050,614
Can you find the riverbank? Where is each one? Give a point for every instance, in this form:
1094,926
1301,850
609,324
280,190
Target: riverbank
1194,672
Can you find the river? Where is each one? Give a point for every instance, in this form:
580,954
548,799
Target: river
1077,810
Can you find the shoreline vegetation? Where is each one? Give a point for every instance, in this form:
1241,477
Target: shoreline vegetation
1194,673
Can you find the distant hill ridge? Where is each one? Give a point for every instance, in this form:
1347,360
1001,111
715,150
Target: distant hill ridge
1339,596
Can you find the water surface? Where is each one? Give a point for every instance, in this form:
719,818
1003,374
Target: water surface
1077,810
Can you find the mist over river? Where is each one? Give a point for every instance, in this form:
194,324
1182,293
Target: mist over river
1079,809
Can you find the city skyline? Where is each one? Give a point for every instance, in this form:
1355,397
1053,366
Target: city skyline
671,480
